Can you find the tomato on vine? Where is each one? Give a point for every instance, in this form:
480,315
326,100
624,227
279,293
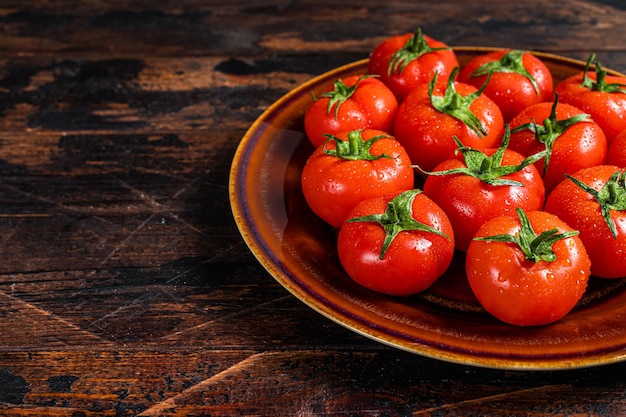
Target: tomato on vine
593,201
601,95
431,115
398,245
353,103
569,137
351,167
518,79
527,271
475,186
406,61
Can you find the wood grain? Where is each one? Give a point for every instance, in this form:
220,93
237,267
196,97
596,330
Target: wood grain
125,287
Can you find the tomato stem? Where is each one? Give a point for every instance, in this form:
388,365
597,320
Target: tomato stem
397,218
415,47
612,196
535,247
355,148
551,129
600,83
511,62
340,93
456,105
488,169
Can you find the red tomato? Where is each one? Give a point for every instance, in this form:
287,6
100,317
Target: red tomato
351,167
429,118
518,79
593,201
405,61
617,150
572,139
471,194
602,96
520,281
353,103
396,245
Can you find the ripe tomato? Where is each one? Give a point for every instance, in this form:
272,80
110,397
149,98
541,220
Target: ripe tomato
351,167
396,245
353,103
405,61
593,201
571,139
617,150
473,187
602,96
430,116
527,271
518,79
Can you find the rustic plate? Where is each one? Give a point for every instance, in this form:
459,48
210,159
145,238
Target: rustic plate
445,322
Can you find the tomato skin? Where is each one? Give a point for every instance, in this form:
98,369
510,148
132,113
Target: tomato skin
512,92
522,292
333,186
470,202
418,71
427,134
371,106
582,145
582,212
413,261
617,150
607,109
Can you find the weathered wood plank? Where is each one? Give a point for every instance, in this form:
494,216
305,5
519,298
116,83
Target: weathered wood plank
308,383
266,28
102,382
227,383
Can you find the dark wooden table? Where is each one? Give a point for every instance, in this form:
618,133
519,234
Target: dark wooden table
125,286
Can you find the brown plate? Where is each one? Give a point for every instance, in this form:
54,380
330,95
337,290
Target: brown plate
445,322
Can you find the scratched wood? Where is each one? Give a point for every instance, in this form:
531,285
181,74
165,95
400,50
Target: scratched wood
125,287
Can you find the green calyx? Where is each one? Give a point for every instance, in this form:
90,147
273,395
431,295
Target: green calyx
535,247
456,105
600,83
355,148
551,129
397,218
489,169
340,93
612,196
510,62
415,47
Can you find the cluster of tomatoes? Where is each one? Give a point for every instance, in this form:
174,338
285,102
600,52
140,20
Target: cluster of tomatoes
420,158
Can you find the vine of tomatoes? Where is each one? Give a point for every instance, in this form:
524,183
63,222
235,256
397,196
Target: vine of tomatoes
523,177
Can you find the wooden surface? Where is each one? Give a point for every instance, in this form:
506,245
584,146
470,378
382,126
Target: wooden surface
125,287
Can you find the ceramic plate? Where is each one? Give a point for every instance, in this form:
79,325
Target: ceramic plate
445,322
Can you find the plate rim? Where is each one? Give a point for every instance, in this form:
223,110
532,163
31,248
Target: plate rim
258,249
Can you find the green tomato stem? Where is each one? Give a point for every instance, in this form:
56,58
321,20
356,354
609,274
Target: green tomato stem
397,218
600,83
535,247
551,130
510,62
355,148
456,105
340,93
414,48
612,196
489,169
